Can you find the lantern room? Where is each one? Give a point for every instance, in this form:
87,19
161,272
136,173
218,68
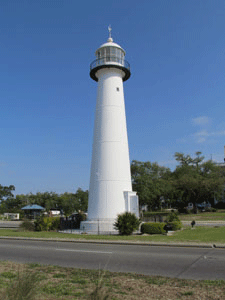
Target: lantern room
110,55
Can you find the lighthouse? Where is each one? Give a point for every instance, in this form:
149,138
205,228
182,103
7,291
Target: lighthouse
110,191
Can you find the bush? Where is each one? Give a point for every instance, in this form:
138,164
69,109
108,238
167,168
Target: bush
173,216
211,209
175,225
126,223
47,223
55,223
153,228
27,226
153,213
43,223
184,210
173,221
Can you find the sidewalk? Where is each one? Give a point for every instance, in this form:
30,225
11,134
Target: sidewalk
205,223
119,242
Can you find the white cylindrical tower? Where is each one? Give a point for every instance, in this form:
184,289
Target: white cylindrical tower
110,191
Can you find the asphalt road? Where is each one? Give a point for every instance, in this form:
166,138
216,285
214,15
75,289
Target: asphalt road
190,263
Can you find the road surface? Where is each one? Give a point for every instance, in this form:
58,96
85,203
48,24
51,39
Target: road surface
189,263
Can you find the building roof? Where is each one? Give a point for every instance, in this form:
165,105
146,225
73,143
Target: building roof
110,43
33,207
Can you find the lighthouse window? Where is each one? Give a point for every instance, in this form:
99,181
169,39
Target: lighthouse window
107,54
113,53
118,89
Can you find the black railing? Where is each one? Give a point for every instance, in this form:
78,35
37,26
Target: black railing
110,59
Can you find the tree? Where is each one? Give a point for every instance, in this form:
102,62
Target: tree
67,202
70,203
82,198
151,182
197,181
6,196
6,192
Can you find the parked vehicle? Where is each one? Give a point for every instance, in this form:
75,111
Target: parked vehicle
203,206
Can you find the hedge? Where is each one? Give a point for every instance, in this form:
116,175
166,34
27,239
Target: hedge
176,225
153,228
154,213
47,223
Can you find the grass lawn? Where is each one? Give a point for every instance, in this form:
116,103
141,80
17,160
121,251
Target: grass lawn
198,235
204,216
34,281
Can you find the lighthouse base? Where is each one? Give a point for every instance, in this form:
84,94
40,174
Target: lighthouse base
98,226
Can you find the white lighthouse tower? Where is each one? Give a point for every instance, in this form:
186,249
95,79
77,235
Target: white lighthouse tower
110,191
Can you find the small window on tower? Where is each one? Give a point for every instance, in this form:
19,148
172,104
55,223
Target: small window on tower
118,89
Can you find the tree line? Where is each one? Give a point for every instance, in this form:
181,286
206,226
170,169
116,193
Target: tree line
67,203
193,180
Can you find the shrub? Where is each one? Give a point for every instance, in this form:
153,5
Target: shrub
211,209
184,210
195,210
126,223
173,216
173,221
27,226
43,223
153,213
153,228
47,223
175,225
55,223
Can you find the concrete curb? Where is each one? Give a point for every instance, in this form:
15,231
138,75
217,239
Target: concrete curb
189,245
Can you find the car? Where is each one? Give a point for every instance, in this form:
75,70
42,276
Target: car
203,206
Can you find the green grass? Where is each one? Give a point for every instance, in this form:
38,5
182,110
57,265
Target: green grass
201,216
99,284
198,234
204,216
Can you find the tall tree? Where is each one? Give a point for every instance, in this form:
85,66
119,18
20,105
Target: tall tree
6,192
82,198
6,196
197,181
151,182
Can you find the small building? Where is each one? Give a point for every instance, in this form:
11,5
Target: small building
12,216
53,212
32,211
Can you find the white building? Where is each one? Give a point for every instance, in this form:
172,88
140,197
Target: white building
110,191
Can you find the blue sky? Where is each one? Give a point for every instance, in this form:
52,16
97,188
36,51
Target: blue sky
174,98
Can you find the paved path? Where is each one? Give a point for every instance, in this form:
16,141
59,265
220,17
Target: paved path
190,263
15,224
205,223
10,224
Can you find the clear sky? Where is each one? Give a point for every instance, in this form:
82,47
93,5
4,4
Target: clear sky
174,98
